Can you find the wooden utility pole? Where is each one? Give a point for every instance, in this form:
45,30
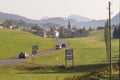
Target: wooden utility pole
119,41
119,47
110,40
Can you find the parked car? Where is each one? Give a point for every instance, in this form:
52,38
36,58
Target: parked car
23,55
58,47
63,45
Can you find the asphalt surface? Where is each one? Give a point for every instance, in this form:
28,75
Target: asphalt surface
17,61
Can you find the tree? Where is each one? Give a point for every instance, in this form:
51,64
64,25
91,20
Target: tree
8,23
90,29
35,27
106,36
116,32
62,31
119,32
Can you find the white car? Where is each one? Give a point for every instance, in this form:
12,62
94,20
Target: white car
58,47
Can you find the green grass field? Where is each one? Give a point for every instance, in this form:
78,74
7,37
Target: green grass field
29,73
40,72
12,42
87,50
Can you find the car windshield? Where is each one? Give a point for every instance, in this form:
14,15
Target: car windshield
57,45
22,53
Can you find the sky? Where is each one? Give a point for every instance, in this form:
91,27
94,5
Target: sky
36,9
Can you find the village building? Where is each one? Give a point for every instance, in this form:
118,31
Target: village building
56,33
70,32
1,27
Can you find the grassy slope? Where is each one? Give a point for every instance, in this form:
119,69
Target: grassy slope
88,50
14,41
82,47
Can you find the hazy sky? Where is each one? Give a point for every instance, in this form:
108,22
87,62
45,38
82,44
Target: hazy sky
36,9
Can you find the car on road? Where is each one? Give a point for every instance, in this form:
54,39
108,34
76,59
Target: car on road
63,45
23,55
58,47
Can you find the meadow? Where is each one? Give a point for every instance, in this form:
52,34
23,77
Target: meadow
12,42
24,72
87,50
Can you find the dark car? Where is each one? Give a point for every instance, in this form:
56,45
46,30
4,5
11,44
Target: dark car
63,45
23,55
58,47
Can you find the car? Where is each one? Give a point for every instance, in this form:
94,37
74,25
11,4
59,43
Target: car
58,47
23,55
63,45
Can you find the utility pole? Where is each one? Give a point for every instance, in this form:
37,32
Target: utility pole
119,41
119,47
110,40
119,51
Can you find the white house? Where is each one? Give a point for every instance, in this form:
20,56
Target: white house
1,26
56,33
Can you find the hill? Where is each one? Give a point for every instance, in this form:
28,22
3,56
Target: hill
115,19
6,16
13,42
76,20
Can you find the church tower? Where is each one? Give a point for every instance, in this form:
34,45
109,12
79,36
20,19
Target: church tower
69,26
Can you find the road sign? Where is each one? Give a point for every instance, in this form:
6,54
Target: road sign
34,48
69,56
69,52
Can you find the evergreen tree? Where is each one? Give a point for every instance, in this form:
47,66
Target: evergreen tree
115,33
8,23
118,31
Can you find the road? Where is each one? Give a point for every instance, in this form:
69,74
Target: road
17,61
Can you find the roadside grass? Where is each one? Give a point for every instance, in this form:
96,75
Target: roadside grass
25,72
87,50
31,72
13,73
12,42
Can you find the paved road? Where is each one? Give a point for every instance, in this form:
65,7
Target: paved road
17,61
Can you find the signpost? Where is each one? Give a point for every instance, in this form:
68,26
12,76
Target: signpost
34,49
69,56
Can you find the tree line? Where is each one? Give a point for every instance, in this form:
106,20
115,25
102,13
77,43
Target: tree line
116,32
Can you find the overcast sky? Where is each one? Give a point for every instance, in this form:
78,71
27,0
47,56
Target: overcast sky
36,9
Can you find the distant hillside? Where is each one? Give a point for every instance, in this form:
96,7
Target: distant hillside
78,18
4,16
115,19
59,21
75,20
79,21
92,23
63,22
54,20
